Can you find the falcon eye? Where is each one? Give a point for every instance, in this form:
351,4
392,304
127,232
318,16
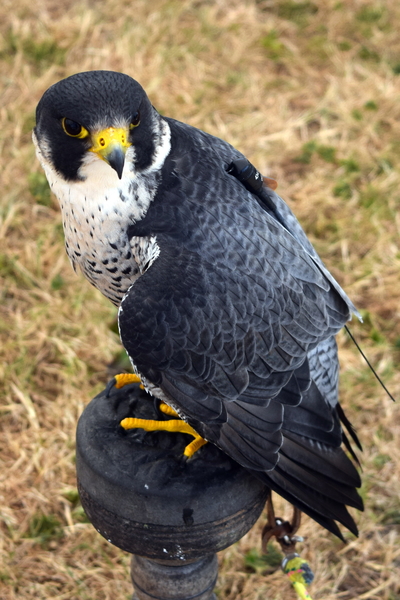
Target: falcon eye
73,128
135,120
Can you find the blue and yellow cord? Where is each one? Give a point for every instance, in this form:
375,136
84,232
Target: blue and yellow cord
300,574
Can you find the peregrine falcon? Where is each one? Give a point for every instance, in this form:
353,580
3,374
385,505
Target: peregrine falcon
225,309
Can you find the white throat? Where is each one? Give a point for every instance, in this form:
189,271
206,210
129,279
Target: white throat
97,211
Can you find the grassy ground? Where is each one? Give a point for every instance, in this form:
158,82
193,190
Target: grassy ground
310,91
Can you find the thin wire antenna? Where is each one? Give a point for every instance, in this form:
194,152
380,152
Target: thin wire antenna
368,363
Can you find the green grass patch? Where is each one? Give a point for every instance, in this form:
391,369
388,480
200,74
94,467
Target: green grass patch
343,190
5,577
10,266
383,433
41,53
79,515
380,460
318,48
350,165
327,153
307,152
371,328
370,14
299,12
371,105
391,517
273,47
385,165
29,123
72,496
9,46
369,197
57,282
357,114
372,198
39,188
260,563
344,46
44,528
366,53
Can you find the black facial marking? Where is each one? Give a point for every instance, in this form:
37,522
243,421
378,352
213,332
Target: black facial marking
93,100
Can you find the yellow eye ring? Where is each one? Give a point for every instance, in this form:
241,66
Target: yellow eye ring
74,129
135,121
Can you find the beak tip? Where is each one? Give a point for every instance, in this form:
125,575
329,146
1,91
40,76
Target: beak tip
116,160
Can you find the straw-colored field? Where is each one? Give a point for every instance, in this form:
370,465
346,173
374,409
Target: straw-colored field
310,92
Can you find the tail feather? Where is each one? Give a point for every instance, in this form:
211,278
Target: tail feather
322,509
323,485
318,478
325,460
349,448
349,427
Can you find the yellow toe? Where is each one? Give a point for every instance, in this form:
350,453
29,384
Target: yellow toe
123,379
167,410
192,448
172,425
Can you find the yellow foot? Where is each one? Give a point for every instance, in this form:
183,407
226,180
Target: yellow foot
123,379
173,426
120,380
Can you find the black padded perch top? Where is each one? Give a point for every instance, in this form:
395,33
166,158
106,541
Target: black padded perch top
144,497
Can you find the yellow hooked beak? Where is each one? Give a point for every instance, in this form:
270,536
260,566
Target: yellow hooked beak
111,145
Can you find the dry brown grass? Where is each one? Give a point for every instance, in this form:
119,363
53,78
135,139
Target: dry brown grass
310,91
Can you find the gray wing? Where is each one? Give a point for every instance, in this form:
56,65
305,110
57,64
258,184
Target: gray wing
297,231
324,369
233,321
233,304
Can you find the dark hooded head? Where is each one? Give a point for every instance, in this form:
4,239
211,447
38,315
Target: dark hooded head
96,111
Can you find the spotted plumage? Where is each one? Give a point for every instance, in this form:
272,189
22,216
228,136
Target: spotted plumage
98,207
225,309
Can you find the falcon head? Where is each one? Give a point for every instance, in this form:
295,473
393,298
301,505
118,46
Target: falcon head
96,116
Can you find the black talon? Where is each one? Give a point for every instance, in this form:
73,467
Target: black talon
109,387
